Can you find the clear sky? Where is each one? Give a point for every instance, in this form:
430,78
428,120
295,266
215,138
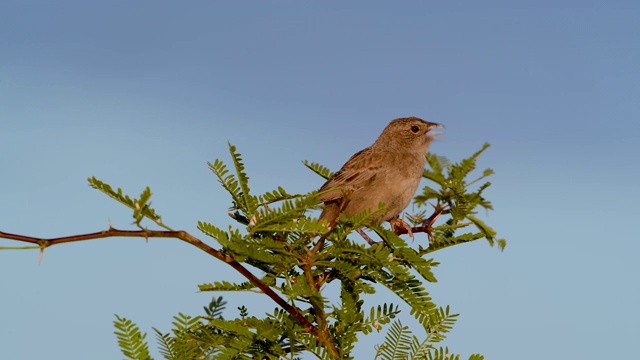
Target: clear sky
146,92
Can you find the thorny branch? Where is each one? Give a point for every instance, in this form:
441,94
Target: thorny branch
182,235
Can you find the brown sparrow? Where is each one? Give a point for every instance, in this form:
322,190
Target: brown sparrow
389,171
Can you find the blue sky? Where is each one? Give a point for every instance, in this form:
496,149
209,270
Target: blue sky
145,93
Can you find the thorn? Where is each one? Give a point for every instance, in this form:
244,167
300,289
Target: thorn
429,235
415,218
438,210
41,255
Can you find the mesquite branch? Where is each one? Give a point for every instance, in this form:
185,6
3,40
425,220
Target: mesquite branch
182,235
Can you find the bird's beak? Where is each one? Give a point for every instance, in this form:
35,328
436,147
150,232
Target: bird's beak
434,134
435,126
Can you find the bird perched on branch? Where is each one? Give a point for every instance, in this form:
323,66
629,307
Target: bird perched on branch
389,171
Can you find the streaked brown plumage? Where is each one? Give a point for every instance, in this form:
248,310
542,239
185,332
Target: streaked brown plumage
389,171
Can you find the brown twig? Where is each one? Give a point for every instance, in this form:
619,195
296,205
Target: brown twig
182,235
323,334
366,237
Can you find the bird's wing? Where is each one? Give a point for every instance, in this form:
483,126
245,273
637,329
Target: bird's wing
356,173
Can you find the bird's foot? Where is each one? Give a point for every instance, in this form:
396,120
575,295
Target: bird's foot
398,224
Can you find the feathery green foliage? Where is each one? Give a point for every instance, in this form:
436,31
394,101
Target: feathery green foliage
318,169
379,316
298,257
400,344
180,344
457,200
141,206
397,344
131,341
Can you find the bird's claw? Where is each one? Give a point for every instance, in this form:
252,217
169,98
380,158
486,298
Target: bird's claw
398,224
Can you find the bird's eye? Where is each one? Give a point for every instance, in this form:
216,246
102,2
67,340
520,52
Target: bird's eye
415,129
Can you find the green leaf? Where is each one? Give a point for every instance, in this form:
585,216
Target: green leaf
289,218
379,316
488,232
274,196
318,169
249,203
131,341
228,182
141,206
397,343
476,357
226,286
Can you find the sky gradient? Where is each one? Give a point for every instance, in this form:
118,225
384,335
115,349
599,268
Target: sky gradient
145,93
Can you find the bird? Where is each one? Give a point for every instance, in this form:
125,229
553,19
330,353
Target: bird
389,172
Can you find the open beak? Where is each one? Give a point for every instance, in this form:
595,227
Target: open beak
434,134
435,126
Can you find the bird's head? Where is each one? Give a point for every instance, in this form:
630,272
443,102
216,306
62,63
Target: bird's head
411,134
